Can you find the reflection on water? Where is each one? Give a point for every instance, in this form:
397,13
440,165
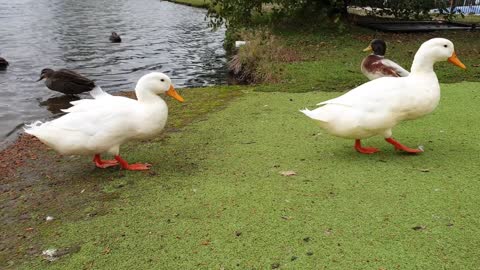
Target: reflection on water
56,104
156,35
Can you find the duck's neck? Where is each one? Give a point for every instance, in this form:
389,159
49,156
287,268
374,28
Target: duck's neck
147,96
422,64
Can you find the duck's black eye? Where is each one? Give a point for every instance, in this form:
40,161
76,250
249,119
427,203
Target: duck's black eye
162,80
445,45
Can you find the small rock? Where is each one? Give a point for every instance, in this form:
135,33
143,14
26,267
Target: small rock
419,228
49,218
288,173
50,254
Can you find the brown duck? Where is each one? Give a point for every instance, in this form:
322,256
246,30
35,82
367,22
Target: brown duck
66,81
376,65
3,63
115,38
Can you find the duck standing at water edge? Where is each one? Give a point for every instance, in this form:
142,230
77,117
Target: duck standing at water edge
3,63
99,125
66,81
377,106
376,65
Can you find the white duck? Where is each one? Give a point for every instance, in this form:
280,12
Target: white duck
377,106
102,124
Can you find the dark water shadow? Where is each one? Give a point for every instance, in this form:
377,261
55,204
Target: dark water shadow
56,104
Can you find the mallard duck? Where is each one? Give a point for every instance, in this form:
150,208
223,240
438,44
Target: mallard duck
115,38
66,81
3,63
377,106
376,65
99,125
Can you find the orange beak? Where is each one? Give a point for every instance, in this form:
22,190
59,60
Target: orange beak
171,92
454,60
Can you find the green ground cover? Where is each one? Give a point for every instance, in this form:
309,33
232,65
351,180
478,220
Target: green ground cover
217,199
327,59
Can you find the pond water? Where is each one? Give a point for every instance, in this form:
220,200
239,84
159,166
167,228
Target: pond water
156,35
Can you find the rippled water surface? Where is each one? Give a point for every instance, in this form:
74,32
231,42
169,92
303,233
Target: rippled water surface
156,35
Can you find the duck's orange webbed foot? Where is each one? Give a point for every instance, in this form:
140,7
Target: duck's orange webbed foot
364,150
132,167
103,163
401,147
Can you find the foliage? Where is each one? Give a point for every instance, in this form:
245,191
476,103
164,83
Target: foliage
407,9
257,61
242,12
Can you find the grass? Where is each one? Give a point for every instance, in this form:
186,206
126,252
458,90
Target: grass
329,60
216,199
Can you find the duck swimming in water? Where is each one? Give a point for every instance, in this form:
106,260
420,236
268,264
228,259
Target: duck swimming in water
66,81
376,107
3,63
115,38
101,125
376,65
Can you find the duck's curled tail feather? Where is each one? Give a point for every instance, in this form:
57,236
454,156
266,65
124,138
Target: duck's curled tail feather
33,127
315,114
98,92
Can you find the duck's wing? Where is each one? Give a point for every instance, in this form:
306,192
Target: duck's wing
113,118
70,82
379,93
74,77
101,100
394,68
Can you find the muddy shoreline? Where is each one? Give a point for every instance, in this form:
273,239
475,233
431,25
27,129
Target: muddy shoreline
36,182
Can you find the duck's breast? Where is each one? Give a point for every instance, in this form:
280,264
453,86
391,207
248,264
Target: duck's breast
153,120
421,97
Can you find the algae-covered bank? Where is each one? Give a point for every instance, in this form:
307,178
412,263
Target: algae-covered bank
216,198
242,180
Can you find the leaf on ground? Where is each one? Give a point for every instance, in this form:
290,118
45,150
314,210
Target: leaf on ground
288,173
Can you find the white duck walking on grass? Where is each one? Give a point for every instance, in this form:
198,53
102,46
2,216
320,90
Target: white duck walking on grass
375,107
99,125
